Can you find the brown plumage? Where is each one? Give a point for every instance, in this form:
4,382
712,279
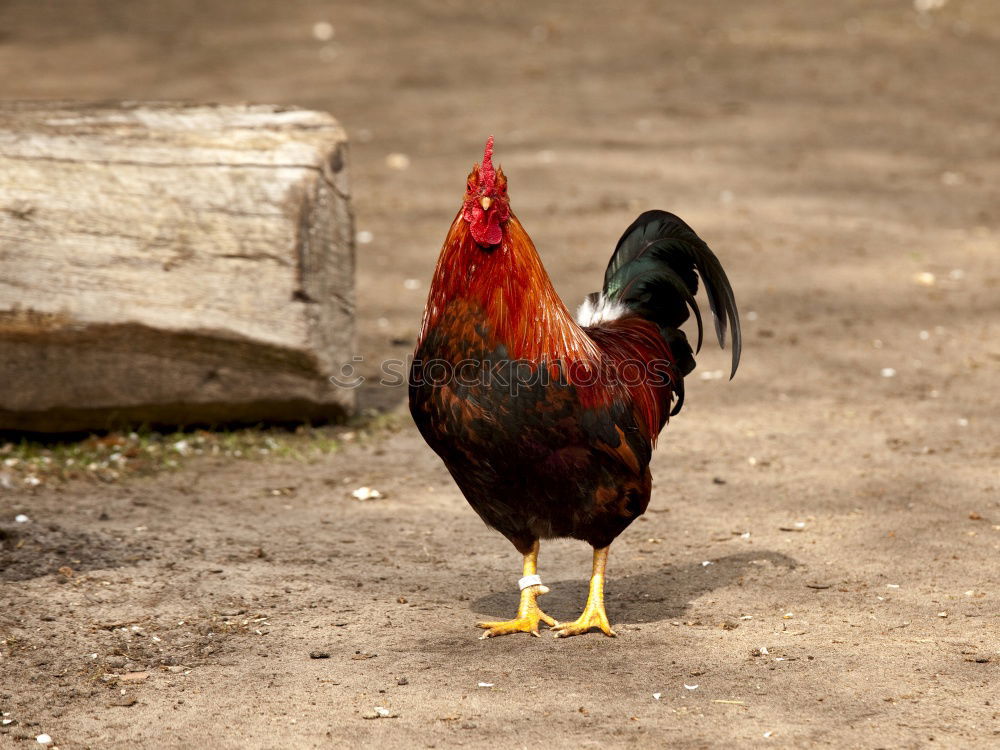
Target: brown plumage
548,426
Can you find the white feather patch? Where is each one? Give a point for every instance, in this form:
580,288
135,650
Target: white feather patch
592,314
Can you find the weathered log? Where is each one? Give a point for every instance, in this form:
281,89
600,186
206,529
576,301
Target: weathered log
172,265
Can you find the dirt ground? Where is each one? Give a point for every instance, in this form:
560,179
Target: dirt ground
819,566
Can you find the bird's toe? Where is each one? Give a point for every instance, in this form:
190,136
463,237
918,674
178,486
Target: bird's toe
587,622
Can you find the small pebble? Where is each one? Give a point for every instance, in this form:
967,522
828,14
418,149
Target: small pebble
397,161
322,31
319,654
380,712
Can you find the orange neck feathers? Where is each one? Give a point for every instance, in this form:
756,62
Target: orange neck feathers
520,308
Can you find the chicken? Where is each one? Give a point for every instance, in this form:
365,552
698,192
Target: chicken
547,424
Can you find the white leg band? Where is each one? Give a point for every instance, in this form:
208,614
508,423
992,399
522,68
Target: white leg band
535,580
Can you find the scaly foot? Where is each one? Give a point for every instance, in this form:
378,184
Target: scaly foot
592,617
528,616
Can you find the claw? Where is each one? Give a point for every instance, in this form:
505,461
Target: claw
526,622
493,629
520,625
528,612
595,618
593,615
550,621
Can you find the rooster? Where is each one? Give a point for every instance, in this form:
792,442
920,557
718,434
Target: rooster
546,423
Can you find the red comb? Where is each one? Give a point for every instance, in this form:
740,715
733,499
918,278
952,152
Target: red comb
487,174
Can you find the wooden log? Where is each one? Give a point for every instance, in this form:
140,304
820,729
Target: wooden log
172,265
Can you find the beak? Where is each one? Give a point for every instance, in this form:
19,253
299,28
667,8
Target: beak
485,202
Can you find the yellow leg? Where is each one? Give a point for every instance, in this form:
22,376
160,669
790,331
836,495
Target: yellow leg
528,613
593,615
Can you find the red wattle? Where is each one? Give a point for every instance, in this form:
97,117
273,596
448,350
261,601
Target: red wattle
487,233
485,228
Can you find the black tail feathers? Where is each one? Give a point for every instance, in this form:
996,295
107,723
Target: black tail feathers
654,273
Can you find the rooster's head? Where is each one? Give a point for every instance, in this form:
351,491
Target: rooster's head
486,205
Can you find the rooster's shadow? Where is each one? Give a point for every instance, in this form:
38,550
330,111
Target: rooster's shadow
643,597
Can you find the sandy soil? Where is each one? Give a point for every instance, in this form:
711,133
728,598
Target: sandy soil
845,522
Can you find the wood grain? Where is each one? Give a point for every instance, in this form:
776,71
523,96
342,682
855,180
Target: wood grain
172,264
